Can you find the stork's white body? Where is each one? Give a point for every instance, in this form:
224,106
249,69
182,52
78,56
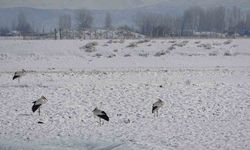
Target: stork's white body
41,101
101,114
38,103
19,74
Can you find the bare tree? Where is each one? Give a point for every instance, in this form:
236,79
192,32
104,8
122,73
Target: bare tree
219,19
64,25
177,24
194,19
23,26
13,25
233,17
84,19
65,22
4,31
146,23
248,21
108,21
156,25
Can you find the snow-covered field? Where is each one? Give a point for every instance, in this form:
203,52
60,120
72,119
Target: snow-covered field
205,85
119,55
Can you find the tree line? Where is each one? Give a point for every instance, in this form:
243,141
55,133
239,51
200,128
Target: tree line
83,21
194,20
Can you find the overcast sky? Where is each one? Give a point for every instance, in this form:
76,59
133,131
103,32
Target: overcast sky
109,4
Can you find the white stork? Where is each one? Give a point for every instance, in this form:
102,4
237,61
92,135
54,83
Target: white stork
156,106
38,103
101,114
19,74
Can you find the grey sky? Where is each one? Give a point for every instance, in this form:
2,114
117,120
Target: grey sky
92,4
109,4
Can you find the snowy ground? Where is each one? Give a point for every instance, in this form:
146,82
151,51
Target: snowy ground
206,90
71,54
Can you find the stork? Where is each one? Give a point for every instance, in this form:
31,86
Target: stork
19,74
38,103
101,114
156,106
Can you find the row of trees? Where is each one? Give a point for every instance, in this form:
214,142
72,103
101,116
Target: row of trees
194,19
23,26
83,20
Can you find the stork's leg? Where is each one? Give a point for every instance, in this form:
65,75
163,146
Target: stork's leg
18,80
100,121
157,113
39,111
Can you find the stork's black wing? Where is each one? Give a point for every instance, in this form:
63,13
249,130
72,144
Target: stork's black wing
15,76
104,116
153,109
35,107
